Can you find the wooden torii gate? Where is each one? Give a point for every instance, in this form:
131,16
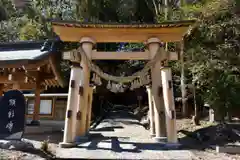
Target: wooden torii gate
161,100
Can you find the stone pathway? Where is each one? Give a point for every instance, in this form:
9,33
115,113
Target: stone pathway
121,136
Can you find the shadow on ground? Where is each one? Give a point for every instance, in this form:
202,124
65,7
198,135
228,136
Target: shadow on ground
201,139
208,137
53,137
106,129
118,144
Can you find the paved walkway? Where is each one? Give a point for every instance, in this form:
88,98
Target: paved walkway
121,136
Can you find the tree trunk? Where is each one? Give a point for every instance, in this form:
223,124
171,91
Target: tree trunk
183,85
219,116
229,116
195,118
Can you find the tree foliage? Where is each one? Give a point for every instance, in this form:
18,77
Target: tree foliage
213,52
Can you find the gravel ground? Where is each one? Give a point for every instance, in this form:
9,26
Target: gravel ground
17,155
212,155
205,153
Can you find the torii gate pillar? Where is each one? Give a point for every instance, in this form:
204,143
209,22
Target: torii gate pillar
169,105
89,109
157,98
151,111
72,104
81,128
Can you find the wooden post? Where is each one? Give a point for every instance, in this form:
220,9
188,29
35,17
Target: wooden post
89,111
80,104
1,89
151,111
54,107
35,118
70,120
87,46
169,104
158,103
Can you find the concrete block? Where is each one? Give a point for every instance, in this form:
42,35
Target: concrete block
160,139
233,149
67,145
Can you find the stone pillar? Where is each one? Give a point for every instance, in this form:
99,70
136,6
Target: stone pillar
151,111
87,46
89,110
158,103
35,118
169,105
71,111
211,115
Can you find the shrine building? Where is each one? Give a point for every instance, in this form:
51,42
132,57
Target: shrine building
32,67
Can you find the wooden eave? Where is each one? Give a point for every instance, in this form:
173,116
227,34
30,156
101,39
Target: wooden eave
56,69
104,33
46,65
31,64
19,76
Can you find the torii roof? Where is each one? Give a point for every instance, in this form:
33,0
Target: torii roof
115,32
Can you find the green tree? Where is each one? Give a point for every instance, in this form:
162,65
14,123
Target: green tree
213,56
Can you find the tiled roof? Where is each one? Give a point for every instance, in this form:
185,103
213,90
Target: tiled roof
21,45
23,50
23,55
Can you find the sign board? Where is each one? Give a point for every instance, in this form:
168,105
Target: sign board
12,115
